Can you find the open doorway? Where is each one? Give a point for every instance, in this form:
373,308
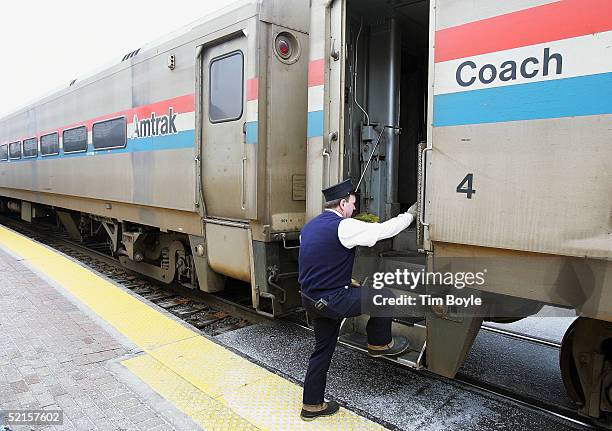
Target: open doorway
386,85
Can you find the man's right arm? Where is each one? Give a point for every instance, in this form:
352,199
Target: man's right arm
352,232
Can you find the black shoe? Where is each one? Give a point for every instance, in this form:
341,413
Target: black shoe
400,345
331,408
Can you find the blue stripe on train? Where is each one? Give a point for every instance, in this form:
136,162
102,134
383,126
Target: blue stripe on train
184,139
252,132
569,97
315,124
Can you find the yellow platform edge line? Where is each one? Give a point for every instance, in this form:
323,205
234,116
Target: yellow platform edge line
126,313
271,403
211,371
204,410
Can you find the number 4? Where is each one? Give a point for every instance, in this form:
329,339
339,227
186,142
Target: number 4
467,189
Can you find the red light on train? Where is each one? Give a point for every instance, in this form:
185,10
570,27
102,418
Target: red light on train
283,48
286,47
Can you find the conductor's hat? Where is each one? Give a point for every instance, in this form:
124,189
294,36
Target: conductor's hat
338,191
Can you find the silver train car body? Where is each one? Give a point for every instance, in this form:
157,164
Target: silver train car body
499,120
195,174
234,125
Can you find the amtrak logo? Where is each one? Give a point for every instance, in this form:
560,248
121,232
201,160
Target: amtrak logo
155,125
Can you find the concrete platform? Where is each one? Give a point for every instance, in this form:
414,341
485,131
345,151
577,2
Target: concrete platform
75,341
55,356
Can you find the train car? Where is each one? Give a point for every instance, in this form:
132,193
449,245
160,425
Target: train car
496,117
201,157
188,153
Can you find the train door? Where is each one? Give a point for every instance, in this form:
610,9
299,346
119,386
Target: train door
335,112
224,134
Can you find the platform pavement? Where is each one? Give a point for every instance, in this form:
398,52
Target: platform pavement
54,356
110,360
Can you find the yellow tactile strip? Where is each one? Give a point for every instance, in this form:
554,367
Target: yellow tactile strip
217,388
211,414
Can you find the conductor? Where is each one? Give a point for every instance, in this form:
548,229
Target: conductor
327,253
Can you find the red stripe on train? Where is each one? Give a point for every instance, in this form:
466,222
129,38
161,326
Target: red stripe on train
555,21
179,105
316,72
253,89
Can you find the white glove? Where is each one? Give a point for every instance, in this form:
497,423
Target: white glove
413,211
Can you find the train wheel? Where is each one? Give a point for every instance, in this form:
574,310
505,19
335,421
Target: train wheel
569,371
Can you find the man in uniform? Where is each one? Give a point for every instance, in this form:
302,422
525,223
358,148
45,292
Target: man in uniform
327,253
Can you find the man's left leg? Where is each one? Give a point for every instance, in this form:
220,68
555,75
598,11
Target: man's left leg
326,336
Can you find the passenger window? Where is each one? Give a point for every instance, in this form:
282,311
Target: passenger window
30,148
15,150
226,88
49,144
109,134
3,152
75,140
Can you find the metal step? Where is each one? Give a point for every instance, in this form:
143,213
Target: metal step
353,335
405,240
358,341
389,264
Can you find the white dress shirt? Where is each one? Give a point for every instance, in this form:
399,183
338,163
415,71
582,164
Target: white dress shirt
352,232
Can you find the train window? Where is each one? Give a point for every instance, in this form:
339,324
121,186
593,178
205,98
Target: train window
226,88
3,152
109,134
15,150
75,140
49,144
30,148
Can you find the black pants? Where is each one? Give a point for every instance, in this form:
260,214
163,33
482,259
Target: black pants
346,303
